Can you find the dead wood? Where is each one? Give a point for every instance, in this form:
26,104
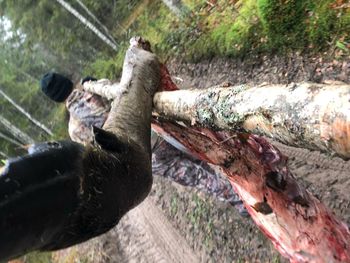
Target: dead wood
299,225
305,115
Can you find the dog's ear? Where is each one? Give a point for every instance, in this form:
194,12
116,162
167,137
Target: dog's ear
108,141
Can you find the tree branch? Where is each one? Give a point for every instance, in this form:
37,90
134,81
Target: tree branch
103,87
27,114
16,132
306,115
10,140
83,20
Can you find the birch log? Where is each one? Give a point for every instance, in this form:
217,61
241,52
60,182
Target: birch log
87,10
312,116
177,7
301,228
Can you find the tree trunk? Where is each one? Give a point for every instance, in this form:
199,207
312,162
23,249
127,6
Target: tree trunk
98,21
4,155
10,140
83,20
306,115
299,225
177,7
27,114
16,132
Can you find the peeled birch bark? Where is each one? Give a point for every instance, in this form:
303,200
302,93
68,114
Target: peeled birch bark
103,87
307,115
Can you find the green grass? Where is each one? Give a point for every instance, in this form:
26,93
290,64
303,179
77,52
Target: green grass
37,257
238,28
174,204
198,217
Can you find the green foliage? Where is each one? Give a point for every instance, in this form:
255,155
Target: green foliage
198,217
283,21
103,68
298,24
322,22
328,24
225,31
235,35
174,204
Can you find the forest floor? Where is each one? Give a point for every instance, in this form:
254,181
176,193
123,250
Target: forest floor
181,224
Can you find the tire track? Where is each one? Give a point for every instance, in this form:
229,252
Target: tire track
146,235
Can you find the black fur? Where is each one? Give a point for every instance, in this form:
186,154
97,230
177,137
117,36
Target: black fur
63,194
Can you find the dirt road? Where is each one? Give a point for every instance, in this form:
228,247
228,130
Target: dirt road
145,235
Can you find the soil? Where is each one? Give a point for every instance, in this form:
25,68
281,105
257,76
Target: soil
181,224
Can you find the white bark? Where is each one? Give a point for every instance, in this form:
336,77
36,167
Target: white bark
83,20
3,155
16,132
10,140
307,115
177,7
27,114
103,87
98,21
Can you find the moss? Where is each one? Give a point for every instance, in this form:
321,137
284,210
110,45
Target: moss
327,24
234,29
283,22
205,116
230,31
321,23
